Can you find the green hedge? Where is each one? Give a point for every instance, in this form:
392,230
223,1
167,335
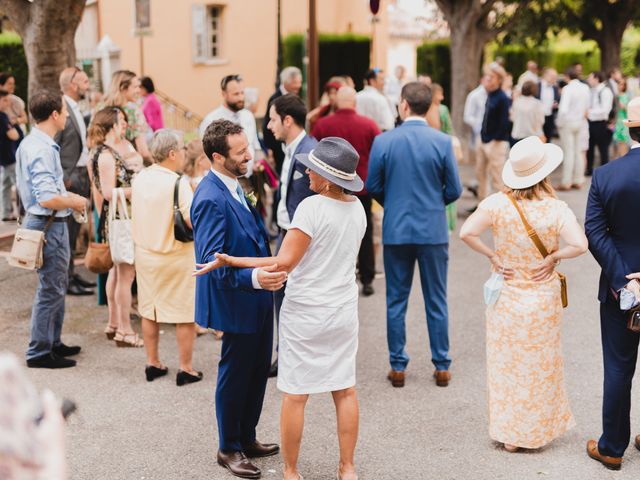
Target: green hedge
434,59
12,59
340,54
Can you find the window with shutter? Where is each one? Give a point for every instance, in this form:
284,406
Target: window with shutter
207,33
199,32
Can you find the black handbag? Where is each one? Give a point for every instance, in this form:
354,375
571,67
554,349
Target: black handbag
180,229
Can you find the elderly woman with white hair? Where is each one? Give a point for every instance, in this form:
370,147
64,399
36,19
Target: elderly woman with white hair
163,262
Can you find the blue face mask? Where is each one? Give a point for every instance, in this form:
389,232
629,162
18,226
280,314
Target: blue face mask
492,288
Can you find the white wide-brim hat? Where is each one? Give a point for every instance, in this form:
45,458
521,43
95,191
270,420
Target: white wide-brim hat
530,161
633,113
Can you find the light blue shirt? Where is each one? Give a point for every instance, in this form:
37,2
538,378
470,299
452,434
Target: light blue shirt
39,175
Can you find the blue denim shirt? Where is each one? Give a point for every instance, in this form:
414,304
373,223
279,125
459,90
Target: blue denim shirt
39,174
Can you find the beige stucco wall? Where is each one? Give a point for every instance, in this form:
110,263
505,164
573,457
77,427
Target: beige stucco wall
248,42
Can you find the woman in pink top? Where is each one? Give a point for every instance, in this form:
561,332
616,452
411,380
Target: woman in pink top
151,105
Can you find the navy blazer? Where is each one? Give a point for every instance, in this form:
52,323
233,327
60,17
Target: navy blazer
413,173
225,298
612,221
298,181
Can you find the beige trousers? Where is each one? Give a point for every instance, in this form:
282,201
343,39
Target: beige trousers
573,164
490,159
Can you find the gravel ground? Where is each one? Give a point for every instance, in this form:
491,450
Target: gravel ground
129,429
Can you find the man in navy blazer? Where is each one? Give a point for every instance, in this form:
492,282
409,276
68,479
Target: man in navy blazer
413,174
287,117
612,227
238,302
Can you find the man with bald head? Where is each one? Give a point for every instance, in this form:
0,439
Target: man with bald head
74,157
359,131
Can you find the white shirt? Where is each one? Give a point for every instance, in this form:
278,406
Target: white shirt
574,104
393,89
474,108
547,97
371,103
601,103
283,215
75,111
232,184
245,119
527,115
415,117
327,269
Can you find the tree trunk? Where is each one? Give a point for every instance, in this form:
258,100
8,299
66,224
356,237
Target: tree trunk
47,28
610,43
467,45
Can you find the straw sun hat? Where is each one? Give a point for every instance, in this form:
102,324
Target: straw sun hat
633,113
530,161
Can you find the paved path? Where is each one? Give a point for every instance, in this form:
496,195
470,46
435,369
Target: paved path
127,429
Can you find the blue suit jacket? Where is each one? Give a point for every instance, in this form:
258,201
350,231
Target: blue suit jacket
612,221
298,186
225,298
414,175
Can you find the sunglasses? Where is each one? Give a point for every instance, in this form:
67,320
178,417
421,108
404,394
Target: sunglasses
229,78
76,71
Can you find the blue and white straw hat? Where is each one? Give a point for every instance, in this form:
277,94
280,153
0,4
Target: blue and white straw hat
336,160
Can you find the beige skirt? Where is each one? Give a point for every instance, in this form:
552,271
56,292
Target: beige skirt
166,289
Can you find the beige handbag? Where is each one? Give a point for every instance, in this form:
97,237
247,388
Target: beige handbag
120,229
28,247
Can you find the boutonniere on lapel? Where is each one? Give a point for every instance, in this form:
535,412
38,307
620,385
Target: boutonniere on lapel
251,198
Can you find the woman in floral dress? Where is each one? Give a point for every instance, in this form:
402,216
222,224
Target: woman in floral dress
528,404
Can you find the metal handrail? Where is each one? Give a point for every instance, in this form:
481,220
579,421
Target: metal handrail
177,115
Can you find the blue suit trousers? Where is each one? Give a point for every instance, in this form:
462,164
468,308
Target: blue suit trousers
620,353
399,265
243,372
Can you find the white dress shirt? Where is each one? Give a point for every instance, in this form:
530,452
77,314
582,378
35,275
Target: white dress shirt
284,221
547,97
232,184
75,111
474,107
245,119
601,103
373,104
574,104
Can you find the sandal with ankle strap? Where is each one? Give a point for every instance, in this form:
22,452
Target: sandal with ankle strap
128,340
110,332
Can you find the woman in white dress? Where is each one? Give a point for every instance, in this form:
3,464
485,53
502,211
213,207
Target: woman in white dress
319,316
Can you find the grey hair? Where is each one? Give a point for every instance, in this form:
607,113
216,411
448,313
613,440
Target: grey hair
289,73
163,141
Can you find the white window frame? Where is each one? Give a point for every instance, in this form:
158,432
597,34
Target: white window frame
201,34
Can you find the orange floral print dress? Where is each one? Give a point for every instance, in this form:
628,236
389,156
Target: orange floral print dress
528,404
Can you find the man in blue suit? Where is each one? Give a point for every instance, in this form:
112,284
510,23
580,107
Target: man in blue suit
612,227
413,174
287,116
238,302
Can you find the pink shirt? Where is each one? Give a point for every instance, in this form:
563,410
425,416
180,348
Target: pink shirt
153,112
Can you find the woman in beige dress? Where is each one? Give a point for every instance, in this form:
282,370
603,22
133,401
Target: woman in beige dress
166,290
528,404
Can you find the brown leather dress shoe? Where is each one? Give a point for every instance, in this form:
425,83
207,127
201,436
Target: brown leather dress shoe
442,377
396,378
612,463
238,464
257,449
637,442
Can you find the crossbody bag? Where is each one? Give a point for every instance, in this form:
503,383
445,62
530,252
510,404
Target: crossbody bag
27,250
533,235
